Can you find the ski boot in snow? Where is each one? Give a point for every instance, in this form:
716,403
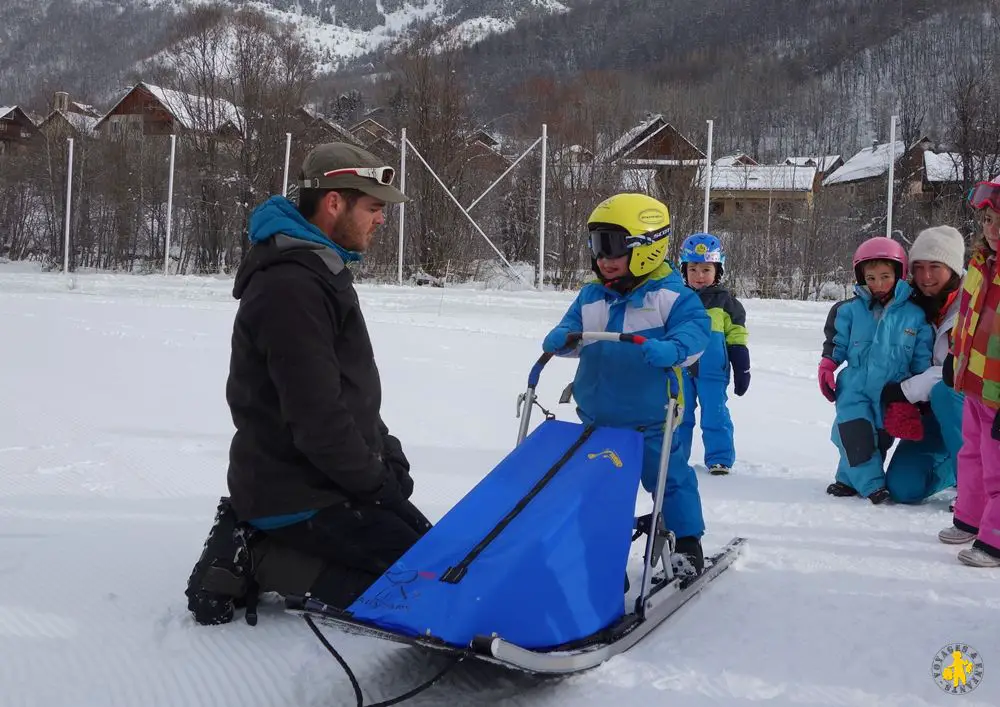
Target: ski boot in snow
687,559
879,497
223,577
955,536
977,557
718,470
840,490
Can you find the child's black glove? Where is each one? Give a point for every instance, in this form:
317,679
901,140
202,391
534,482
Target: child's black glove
739,359
893,393
995,431
948,371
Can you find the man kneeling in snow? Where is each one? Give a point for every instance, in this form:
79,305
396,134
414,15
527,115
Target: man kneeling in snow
318,487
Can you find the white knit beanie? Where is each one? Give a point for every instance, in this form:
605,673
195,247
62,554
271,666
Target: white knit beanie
943,244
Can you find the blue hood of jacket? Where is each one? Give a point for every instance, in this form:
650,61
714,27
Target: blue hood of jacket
279,215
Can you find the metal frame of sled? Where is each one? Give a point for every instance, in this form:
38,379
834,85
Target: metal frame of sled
654,604
664,600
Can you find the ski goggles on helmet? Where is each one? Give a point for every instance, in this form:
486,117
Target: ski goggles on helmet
609,243
985,194
382,175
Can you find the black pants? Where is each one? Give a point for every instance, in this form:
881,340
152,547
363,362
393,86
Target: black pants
358,543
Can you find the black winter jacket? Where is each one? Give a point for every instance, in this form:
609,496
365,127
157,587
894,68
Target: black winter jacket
303,388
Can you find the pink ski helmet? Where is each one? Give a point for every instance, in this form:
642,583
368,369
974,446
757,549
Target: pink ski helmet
880,248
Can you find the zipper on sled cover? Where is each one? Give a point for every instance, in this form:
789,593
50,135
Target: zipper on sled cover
455,573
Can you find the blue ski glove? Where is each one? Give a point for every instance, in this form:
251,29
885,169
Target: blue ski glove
660,354
739,359
555,342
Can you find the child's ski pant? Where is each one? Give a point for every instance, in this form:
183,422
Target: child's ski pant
716,423
861,445
977,508
921,469
681,500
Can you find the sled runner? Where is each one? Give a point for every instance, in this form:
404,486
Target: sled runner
526,571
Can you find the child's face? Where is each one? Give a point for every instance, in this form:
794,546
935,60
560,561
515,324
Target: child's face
612,268
700,275
880,278
991,227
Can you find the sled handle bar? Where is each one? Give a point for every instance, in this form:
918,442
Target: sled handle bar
574,338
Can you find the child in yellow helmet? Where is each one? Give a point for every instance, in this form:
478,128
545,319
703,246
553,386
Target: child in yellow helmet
620,385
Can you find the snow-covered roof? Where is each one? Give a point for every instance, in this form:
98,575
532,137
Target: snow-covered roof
191,111
4,110
948,166
333,125
84,124
866,164
762,177
821,163
84,108
667,163
734,160
625,139
195,112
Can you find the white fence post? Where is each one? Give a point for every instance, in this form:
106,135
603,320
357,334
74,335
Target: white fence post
892,174
170,205
708,177
288,154
402,207
69,201
541,212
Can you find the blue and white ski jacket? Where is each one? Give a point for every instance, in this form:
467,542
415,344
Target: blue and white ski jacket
615,385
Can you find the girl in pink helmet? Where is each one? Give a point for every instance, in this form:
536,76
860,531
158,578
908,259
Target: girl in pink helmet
884,338
976,373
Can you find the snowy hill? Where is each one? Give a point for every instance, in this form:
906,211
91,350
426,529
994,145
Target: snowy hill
337,30
112,460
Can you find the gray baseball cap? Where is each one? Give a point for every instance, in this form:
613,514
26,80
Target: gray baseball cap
341,165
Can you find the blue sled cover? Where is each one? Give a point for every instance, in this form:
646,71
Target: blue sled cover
535,553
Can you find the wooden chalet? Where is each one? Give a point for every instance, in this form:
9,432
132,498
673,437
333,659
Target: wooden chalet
739,160
740,190
656,146
148,110
377,139
315,128
68,118
16,128
824,165
863,175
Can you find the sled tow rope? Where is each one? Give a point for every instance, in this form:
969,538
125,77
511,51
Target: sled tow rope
354,681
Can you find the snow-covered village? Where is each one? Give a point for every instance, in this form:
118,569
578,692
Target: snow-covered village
522,353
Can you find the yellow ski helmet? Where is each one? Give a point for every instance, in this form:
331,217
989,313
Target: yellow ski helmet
636,225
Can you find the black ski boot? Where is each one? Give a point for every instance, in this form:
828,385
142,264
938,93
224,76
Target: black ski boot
879,497
841,490
688,560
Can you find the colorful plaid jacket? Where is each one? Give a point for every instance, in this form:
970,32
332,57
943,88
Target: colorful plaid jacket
977,334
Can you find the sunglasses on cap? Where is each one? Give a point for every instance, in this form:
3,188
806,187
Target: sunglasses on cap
985,194
382,175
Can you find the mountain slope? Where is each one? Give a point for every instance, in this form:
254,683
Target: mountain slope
88,46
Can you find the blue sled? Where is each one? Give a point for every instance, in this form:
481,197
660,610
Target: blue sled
528,569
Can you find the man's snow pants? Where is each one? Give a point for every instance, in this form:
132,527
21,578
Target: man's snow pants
681,500
716,423
921,469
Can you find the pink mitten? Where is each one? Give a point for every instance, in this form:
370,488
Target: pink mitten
827,382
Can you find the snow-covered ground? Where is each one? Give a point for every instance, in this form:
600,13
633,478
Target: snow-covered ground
113,445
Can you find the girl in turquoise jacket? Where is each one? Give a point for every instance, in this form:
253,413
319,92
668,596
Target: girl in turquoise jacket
884,338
